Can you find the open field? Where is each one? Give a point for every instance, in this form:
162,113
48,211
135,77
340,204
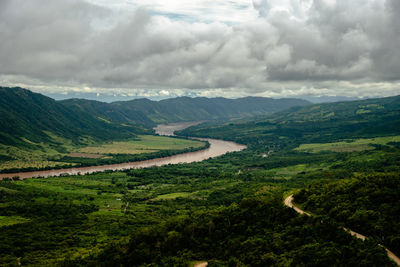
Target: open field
144,144
172,196
348,145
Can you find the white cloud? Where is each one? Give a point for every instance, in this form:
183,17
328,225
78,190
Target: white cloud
207,48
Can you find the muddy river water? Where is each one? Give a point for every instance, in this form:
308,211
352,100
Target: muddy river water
217,148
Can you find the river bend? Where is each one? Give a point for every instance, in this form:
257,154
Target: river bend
216,148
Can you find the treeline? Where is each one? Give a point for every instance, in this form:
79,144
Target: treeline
366,203
255,232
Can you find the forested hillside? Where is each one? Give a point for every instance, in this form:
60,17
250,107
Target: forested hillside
256,232
312,124
368,204
27,118
354,147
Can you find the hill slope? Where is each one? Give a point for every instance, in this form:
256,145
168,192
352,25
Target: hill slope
27,117
312,124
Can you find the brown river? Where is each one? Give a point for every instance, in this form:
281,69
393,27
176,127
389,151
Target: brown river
217,148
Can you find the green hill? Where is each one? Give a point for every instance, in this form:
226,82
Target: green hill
312,124
28,117
108,112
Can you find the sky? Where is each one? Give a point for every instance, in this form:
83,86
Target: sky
231,48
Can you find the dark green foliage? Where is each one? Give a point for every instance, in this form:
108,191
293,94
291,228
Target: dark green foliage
368,203
54,223
254,233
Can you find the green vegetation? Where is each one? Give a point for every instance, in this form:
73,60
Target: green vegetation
253,233
28,119
144,144
348,145
227,211
10,220
37,132
366,203
310,125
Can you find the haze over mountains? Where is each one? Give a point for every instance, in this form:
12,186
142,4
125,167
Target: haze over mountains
145,111
36,118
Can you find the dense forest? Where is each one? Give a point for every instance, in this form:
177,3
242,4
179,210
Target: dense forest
342,162
367,203
254,232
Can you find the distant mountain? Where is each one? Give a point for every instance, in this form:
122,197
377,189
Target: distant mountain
329,99
108,112
147,112
27,117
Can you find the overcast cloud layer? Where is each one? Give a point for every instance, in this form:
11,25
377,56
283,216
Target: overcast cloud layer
207,48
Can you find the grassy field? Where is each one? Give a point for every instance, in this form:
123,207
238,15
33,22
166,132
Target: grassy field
10,220
144,144
172,196
348,145
40,157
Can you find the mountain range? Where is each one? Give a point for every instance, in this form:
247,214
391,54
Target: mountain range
148,112
27,117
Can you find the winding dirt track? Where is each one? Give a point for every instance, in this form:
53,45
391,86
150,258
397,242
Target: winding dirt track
391,255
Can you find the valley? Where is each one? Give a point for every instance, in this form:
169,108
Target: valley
206,148
226,209
199,133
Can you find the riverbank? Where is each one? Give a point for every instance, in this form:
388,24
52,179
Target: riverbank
216,148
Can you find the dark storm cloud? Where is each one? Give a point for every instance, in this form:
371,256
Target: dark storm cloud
78,43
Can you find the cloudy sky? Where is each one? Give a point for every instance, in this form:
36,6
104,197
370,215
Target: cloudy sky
230,48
